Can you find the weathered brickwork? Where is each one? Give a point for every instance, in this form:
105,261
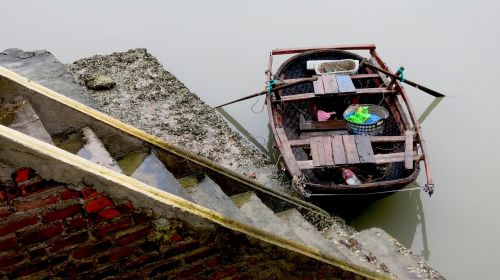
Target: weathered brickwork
54,230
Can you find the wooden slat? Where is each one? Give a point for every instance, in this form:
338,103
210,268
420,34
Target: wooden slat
364,76
300,143
295,98
327,147
305,164
338,150
309,134
408,149
393,157
330,83
350,149
306,96
387,138
318,86
326,125
365,150
287,153
315,152
345,84
375,91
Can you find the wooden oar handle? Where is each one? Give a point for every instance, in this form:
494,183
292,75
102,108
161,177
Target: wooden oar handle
413,84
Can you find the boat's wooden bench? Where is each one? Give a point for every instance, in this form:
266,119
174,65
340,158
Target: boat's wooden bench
321,126
333,83
353,149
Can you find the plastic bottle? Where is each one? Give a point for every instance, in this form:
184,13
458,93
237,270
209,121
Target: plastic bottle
349,177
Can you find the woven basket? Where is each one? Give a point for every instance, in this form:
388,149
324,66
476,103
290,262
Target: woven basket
367,129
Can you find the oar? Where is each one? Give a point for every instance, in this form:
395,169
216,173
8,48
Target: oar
279,87
413,84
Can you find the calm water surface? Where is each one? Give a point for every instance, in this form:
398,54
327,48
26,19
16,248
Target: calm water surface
219,50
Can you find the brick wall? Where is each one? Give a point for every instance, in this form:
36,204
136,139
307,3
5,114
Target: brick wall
50,229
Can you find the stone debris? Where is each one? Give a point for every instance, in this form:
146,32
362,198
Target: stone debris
99,82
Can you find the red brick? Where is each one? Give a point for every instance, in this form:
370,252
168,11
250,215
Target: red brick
37,203
109,213
5,212
125,207
17,225
23,174
116,226
181,247
70,240
175,237
164,266
131,237
213,262
69,194
229,271
10,260
8,244
98,204
198,255
84,252
34,185
118,254
141,218
74,269
77,223
40,252
87,191
42,234
89,250
62,213
190,272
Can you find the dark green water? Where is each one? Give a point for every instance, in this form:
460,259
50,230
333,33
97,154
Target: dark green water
219,50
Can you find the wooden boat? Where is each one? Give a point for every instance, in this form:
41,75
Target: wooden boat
315,152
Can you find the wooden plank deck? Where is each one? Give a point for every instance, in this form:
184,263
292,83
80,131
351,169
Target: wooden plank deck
345,84
408,149
364,147
338,150
351,151
330,83
318,86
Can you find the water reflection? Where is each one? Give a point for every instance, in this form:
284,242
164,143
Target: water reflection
429,109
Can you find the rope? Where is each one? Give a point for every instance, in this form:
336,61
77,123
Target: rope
360,194
270,86
401,73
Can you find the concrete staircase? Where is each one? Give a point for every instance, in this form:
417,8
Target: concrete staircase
246,207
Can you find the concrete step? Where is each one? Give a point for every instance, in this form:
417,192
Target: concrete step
207,193
152,172
350,247
309,234
21,116
400,261
263,217
130,162
94,150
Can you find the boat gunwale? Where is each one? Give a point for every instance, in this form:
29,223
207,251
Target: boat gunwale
340,188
